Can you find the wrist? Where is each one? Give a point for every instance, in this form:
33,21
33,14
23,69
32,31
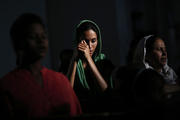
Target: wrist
88,57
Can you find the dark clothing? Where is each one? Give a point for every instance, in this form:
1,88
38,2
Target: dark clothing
105,67
94,97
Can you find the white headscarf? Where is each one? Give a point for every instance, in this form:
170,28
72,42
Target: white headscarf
139,60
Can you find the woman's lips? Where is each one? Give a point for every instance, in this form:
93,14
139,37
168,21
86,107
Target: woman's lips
164,59
91,52
42,48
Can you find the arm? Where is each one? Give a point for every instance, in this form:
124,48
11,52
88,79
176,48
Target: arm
102,83
85,49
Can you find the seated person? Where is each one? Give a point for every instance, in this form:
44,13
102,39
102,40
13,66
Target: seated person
89,72
151,54
32,90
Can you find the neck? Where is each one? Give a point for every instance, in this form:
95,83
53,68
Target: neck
158,70
34,67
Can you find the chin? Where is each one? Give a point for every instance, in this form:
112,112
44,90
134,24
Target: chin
164,63
40,56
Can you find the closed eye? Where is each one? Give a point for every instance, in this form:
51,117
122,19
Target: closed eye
93,40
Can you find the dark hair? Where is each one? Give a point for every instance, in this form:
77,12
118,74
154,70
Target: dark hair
84,27
150,42
19,28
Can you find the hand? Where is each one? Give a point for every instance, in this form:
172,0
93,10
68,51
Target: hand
83,47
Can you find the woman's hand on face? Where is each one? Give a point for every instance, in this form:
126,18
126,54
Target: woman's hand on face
83,46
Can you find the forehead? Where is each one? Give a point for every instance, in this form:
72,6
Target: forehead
159,43
36,27
90,33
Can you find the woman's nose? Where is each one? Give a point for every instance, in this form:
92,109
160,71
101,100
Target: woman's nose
164,53
40,39
90,45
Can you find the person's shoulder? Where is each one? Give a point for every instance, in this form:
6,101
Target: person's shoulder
53,75
150,76
105,62
105,65
57,80
11,74
51,71
148,72
9,80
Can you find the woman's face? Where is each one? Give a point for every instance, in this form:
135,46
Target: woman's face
36,41
159,54
90,37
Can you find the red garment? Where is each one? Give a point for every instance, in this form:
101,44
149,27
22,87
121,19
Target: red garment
37,101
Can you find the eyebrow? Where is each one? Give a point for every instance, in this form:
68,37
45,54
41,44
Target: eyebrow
94,39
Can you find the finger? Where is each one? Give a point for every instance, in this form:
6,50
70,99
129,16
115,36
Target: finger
84,42
81,49
81,46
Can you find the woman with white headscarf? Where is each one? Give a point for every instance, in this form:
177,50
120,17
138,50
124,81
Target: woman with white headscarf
151,54
155,80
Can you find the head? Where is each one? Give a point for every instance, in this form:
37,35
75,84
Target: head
89,31
29,37
156,54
